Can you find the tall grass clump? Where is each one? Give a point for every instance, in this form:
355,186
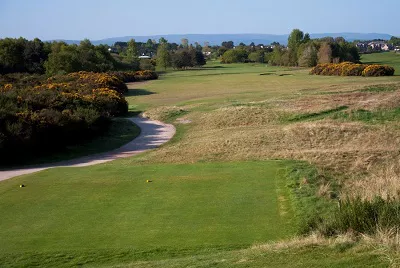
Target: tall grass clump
365,216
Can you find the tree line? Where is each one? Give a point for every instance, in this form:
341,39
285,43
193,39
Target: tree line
300,51
25,56
35,56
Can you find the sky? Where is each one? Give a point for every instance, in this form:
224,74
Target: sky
98,19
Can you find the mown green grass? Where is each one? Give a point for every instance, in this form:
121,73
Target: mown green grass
64,215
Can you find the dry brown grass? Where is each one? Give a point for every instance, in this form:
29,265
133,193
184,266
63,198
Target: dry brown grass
384,182
313,239
344,147
357,99
239,116
386,242
163,113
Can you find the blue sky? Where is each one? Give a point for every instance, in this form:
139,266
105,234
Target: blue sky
98,19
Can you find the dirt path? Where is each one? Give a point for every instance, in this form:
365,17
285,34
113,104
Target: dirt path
152,135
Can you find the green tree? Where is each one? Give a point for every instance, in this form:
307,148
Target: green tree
306,38
275,56
162,41
308,55
294,41
104,61
228,44
12,55
182,59
132,54
395,41
163,55
198,58
34,56
185,42
325,53
257,56
234,56
149,44
87,55
62,59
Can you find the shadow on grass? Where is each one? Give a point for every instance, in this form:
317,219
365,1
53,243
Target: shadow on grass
214,67
138,92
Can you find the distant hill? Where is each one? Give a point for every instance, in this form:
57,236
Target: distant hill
217,39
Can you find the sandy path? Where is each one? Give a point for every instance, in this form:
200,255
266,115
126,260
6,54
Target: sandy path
153,134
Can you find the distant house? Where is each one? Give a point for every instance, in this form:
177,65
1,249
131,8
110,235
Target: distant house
380,45
112,50
362,47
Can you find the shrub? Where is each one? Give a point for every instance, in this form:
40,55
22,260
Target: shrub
378,70
41,115
352,69
127,77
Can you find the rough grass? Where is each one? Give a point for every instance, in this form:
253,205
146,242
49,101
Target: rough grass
384,183
311,251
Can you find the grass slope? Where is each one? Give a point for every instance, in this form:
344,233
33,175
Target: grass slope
79,215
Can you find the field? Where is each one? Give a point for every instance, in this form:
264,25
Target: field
218,197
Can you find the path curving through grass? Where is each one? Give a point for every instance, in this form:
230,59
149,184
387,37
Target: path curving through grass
153,134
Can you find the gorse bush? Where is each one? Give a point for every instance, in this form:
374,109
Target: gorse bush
137,76
352,69
39,114
378,70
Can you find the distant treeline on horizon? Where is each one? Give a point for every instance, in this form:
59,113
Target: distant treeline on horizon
217,39
58,57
